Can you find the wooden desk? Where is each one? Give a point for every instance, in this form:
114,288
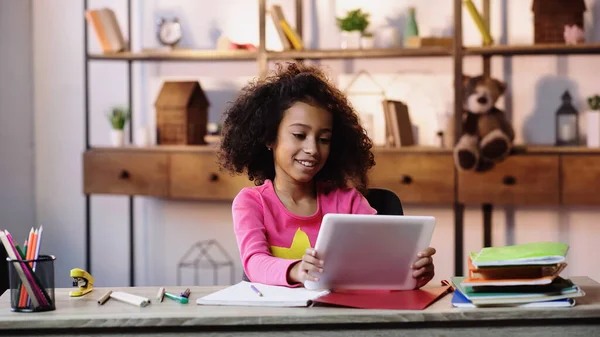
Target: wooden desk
75,316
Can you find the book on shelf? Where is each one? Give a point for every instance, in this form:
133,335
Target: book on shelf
275,14
105,25
485,33
290,39
429,41
398,126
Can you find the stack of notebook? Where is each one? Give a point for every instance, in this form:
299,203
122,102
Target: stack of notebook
526,275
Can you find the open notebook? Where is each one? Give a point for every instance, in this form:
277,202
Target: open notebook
273,296
241,294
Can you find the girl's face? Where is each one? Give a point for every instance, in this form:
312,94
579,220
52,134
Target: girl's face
303,142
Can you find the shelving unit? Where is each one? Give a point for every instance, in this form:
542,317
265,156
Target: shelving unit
533,50
394,165
178,55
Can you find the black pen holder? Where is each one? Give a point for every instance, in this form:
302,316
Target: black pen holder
32,284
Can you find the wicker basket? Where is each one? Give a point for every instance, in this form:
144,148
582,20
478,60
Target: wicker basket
551,16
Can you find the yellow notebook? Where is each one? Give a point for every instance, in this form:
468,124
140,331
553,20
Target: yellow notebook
291,35
487,37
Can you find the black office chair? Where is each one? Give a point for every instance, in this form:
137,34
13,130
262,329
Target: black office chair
384,201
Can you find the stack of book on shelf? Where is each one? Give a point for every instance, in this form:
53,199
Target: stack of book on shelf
525,275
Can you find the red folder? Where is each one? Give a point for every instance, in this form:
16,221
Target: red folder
395,300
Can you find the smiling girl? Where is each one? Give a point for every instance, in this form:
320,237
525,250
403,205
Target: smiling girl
297,137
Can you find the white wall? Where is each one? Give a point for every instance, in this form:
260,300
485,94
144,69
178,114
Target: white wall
17,203
59,127
166,229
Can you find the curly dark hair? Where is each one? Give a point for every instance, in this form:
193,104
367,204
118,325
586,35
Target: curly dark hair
252,122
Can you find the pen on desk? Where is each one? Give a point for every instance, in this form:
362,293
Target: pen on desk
256,290
104,297
182,300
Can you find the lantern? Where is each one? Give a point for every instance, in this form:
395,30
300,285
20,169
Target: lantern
567,124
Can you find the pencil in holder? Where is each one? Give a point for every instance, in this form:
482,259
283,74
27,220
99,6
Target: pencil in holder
31,284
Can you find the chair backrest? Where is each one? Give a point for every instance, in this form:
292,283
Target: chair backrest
384,201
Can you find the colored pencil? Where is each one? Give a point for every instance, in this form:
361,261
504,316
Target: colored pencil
23,294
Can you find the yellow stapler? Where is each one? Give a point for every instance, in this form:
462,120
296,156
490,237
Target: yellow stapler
83,280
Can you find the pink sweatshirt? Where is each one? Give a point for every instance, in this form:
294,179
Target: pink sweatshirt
271,238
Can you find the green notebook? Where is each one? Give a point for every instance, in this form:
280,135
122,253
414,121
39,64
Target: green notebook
536,253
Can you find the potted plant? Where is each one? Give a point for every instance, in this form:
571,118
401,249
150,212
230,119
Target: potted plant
353,27
367,41
118,118
593,121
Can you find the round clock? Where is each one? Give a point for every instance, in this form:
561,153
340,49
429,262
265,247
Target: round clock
169,32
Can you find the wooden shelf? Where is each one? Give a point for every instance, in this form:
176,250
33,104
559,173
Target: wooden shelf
420,175
214,147
178,55
537,49
243,55
540,149
359,53
158,148
518,150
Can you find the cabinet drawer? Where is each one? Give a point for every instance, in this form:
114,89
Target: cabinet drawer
197,176
122,172
519,180
415,178
581,180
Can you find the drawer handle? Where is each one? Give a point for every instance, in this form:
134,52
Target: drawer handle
124,175
213,177
509,180
406,179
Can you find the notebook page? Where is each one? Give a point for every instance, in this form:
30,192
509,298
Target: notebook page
242,294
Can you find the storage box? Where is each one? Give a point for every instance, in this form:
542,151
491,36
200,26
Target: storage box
551,16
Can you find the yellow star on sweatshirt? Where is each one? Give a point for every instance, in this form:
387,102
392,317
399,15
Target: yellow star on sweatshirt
296,250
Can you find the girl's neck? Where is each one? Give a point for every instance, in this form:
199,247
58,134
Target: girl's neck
293,191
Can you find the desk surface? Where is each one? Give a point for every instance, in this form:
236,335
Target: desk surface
86,313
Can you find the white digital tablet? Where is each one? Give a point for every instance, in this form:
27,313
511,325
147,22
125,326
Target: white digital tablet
370,251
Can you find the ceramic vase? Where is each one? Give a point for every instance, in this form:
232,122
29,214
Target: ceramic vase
387,37
142,137
593,128
367,42
117,138
350,40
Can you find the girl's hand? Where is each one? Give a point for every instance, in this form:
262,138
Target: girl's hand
302,270
423,269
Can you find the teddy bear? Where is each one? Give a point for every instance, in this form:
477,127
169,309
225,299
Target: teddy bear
486,136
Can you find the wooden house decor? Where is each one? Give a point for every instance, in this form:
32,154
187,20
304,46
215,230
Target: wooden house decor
181,113
551,16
